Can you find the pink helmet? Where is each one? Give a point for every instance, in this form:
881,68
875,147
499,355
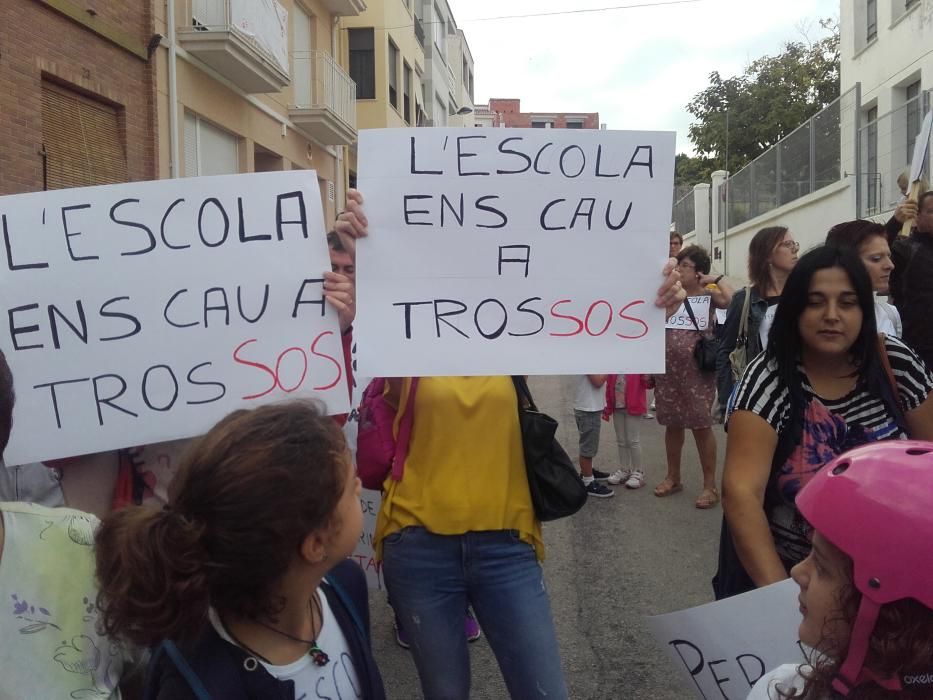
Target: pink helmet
875,503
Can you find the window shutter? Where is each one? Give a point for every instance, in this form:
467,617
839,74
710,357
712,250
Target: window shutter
191,145
82,139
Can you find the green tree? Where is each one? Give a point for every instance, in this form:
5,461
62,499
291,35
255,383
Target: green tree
774,96
690,170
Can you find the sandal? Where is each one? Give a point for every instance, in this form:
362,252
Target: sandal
667,488
708,498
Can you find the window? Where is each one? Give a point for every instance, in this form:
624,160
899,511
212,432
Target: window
914,117
301,56
393,74
82,140
363,62
440,32
871,160
406,93
871,16
208,149
574,124
540,124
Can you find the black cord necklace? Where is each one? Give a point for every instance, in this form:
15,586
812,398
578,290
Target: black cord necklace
318,656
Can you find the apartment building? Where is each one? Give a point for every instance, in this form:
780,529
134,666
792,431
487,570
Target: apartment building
77,94
255,86
411,64
885,50
508,113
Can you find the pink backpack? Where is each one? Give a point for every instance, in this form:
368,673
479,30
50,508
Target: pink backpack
378,452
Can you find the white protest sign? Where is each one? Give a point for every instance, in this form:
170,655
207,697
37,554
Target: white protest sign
365,553
920,148
681,319
519,251
721,649
147,311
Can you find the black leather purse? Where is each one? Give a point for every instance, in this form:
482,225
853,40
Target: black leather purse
706,348
556,488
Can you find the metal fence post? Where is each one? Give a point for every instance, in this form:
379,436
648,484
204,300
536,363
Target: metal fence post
811,125
858,150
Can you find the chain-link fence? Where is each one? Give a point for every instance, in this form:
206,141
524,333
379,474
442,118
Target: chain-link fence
806,160
886,147
684,208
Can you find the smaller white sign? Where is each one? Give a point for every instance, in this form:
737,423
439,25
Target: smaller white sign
681,319
920,148
721,649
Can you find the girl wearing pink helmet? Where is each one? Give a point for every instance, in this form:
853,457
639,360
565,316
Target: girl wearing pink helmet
866,589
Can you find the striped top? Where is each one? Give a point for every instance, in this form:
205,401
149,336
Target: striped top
829,428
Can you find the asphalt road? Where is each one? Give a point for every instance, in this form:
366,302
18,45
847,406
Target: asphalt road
609,566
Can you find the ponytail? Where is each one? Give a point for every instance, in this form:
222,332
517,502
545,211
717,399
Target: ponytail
151,570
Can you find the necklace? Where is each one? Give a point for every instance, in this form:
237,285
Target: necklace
318,656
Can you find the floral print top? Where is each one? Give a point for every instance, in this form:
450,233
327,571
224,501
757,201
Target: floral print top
829,428
49,647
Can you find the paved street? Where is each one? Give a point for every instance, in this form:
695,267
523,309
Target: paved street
610,565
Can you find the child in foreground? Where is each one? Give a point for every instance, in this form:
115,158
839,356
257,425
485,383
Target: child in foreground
866,589
243,579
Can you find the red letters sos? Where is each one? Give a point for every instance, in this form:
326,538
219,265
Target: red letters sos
289,369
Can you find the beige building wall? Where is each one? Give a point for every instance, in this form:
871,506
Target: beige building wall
266,136
400,19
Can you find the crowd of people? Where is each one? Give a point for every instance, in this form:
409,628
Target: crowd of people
231,579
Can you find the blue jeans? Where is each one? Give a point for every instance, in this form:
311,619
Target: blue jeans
431,578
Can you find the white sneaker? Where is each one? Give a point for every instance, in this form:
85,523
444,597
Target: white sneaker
636,480
620,476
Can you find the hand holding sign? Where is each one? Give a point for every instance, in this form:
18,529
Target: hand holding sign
917,165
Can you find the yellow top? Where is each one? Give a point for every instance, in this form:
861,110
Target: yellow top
465,469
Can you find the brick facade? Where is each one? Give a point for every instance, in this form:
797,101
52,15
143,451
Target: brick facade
38,41
509,113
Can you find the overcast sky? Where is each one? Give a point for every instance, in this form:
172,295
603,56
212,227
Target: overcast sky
637,67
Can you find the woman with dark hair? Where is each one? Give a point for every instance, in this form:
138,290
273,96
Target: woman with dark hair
870,242
772,255
245,570
684,394
825,384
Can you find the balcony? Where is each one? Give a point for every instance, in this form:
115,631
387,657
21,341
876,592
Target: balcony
419,31
325,99
246,42
346,8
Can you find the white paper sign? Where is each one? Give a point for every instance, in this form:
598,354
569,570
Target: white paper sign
147,311
520,251
681,319
920,148
721,649
365,554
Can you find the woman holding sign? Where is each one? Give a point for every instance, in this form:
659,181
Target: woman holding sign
459,528
826,383
685,393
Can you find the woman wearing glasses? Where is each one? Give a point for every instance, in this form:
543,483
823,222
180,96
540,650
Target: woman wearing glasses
684,394
772,255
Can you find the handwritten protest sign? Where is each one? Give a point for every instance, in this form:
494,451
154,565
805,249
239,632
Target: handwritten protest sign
681,319
147,311
513,251
721,649
365,553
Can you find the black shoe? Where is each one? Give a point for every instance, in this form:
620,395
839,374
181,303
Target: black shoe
594,488
600,476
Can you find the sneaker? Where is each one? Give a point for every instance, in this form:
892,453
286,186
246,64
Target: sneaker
600,475
400,637
636,480
471,627
595,488
620,476
649,415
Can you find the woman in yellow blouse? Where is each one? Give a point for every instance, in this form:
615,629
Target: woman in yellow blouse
459,529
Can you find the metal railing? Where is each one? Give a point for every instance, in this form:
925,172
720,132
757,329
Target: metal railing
324,84
684,213
886,145
805,161
263,25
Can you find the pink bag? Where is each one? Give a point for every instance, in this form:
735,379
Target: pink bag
378,451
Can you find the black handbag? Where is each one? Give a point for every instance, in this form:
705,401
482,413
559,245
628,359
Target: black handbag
556,488
706,348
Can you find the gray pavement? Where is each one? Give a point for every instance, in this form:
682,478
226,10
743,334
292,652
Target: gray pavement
616,561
